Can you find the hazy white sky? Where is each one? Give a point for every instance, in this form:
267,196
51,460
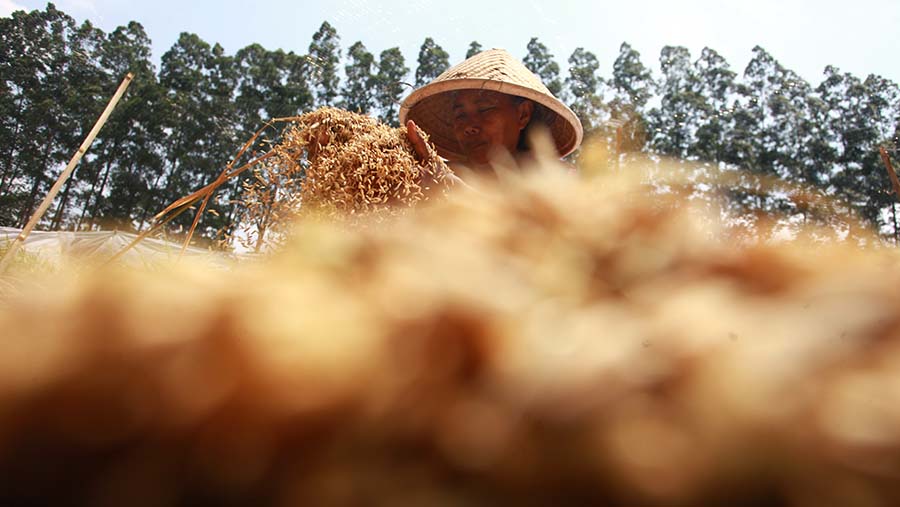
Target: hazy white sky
860,36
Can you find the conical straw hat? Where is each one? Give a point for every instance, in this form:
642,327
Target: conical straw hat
431,105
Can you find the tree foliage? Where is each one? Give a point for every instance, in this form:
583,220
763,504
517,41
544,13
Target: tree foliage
388,81
474,49
584,87
358,91
322,63
540,61
433,61
632,86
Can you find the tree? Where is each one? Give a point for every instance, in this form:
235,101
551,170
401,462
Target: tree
389,84
358,93
474,49
322,60
200,80
716,82
777,127
632,81
860,120
583,86
24,46
432,62
259,77
11,99
129,150
87,90
673,124
270,84
297,96
540,61
777,115
632,87
50,69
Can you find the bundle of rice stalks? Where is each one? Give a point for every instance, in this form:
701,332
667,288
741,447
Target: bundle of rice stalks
341,165
329,162
544,340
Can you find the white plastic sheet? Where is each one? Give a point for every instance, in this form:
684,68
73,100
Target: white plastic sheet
58,246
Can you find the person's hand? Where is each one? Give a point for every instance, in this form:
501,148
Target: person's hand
415,138
412,132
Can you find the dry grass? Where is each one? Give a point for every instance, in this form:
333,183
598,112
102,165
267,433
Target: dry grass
541,339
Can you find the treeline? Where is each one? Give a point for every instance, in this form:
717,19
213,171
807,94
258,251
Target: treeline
177,127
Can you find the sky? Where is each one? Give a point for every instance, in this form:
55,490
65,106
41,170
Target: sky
861,37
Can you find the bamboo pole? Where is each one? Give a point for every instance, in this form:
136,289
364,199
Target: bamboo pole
39,212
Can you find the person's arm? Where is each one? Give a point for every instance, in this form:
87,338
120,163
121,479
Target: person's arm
415,138
412,132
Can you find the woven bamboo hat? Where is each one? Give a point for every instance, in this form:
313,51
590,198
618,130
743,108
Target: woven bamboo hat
431,105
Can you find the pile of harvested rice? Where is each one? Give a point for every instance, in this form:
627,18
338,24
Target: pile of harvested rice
339,164
542,341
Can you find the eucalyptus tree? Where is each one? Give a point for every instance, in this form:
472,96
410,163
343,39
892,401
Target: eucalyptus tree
130,148
50,74
389,84
862,117
359,91
673,123
716,87
322,65
583,87
632,87
200,83
474,49
432,62
540,61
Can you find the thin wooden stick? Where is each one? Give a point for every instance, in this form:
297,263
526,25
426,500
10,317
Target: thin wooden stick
39,212
890,169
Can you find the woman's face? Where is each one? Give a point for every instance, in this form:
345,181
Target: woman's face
485,121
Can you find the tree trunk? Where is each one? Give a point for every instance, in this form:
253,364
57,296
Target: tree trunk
99,194
163,193
130,203
25,212
60,210
28,208
90,197
894,217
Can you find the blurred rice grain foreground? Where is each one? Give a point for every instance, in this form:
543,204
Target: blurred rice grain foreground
548,341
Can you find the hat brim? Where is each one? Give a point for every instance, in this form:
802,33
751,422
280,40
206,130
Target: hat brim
430,107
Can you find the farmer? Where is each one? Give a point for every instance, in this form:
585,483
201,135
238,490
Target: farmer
483,107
